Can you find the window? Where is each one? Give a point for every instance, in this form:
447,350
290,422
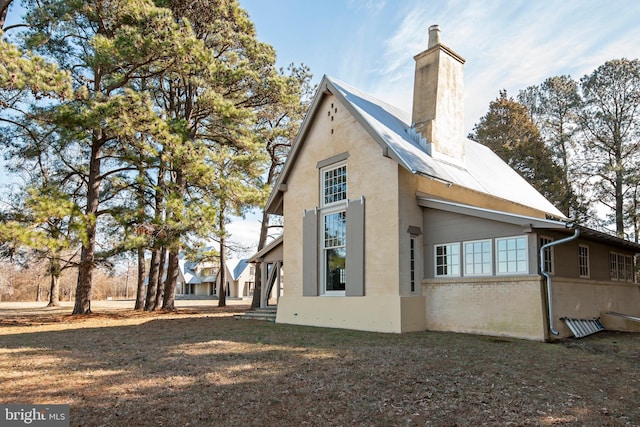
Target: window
630,268
583,261
334,251
477,258
334,185
412,263
511,255
447,259
613,266
548,254
621,267
334,228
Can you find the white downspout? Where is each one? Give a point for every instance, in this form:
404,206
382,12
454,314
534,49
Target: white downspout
548,276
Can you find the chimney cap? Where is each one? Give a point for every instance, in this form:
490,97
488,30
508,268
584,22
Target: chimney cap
434,36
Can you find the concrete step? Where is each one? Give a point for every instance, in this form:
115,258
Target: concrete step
268,314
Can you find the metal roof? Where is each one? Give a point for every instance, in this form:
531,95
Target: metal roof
481,170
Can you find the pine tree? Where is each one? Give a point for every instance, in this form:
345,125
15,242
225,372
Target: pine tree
508,130
554,106
610,120
106,46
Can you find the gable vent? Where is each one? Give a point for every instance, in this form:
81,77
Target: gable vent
419,139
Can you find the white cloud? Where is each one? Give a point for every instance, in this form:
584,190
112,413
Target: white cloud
507,45
245,231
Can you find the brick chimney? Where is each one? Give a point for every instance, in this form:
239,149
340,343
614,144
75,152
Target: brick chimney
438,98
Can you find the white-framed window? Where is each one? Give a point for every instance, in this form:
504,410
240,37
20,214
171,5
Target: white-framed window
447,260
548,254
412,263
613,266
621,267
334,252
333,184
583,261
512,255
333,241
477,258
630,266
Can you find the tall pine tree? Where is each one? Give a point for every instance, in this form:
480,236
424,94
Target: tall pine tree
508,130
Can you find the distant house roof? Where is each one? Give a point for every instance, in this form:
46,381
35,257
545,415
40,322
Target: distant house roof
482,170
236,267
187,270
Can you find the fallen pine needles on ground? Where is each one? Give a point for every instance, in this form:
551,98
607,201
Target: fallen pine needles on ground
200,366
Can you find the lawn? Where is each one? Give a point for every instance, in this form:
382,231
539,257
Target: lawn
201,367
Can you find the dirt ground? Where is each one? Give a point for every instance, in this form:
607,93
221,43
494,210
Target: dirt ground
201,367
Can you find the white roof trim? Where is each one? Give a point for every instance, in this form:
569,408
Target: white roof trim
490,214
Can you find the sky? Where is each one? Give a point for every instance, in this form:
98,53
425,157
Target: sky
507,44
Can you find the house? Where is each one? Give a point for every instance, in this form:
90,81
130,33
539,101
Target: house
239,279
395,222
195,278
269,260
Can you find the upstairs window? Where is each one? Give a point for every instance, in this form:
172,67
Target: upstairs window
334,185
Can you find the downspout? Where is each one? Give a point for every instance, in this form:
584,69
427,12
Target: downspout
548,276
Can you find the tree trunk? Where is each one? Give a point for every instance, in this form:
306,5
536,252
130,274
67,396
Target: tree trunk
87,254
140,294
619,195
83,286
54,294
54,290
152,281
168,303
257,289
39,292
160,284
222,297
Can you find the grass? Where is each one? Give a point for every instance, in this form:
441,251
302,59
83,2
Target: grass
202,367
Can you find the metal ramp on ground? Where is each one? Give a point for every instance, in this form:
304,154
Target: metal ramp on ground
583,327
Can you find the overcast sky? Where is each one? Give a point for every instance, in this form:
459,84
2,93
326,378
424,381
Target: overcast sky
507,44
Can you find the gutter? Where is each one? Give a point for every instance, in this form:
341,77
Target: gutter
548,276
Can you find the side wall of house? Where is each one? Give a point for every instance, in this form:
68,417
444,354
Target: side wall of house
502,306
593,297
492,305
335,131
410,227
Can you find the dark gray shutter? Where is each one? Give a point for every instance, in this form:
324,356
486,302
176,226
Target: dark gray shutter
355,248
310,253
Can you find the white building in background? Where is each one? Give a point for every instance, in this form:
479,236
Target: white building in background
239,279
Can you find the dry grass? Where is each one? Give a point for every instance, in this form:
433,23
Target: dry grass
201,367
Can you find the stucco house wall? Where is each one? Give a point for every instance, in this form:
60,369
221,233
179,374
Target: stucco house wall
507,306
333,132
